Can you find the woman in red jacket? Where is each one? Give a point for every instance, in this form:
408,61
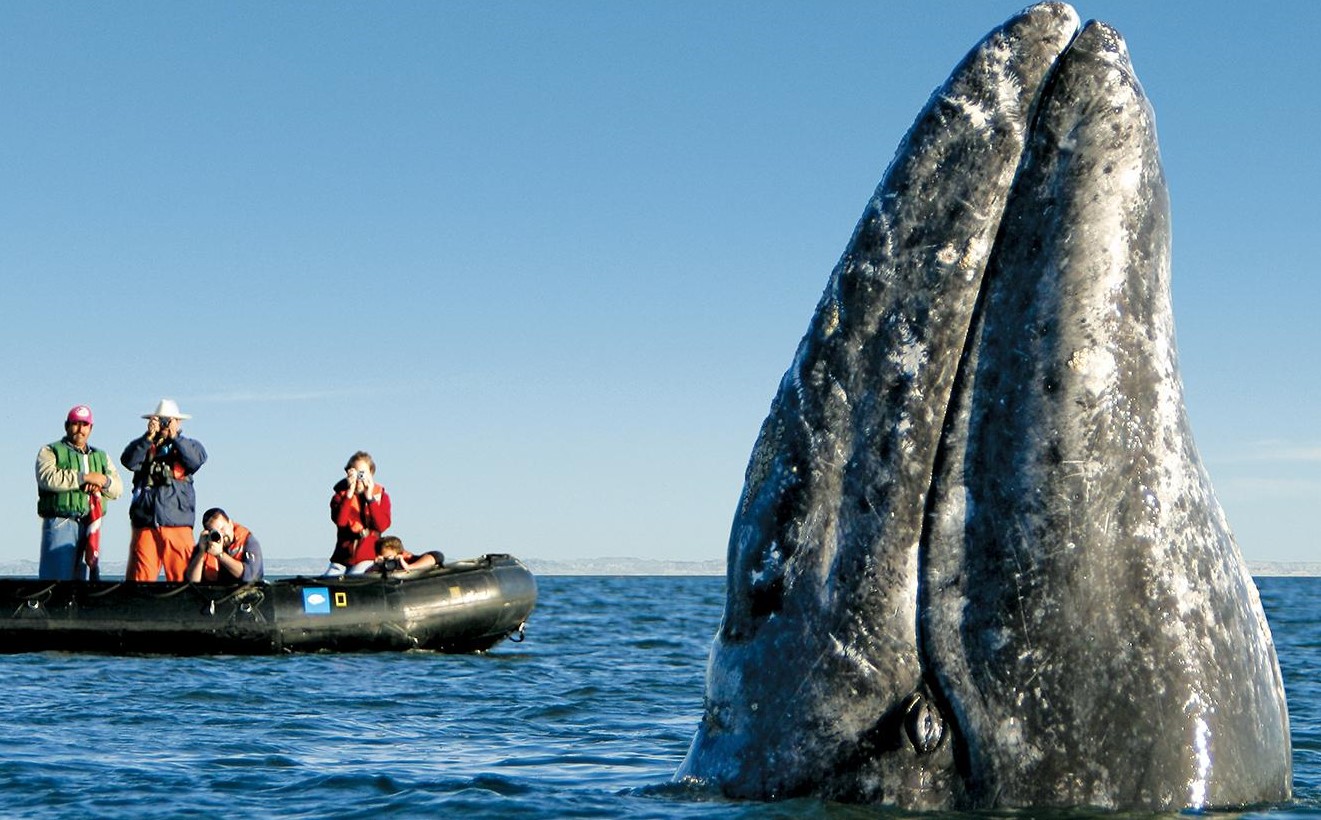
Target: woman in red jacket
360,509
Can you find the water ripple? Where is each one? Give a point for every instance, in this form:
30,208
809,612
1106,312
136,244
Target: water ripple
588,718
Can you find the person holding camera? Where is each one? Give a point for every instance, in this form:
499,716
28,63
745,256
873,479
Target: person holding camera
226,553
360,509
164,504
391,557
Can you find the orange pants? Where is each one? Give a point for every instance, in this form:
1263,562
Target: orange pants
151,548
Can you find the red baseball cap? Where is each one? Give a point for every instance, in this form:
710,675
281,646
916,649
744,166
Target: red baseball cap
80,413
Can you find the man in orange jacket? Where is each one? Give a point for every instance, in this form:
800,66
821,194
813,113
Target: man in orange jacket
164,504
227,552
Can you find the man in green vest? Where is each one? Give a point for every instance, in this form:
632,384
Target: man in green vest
72,480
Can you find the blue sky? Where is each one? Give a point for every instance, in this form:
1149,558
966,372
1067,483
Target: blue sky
548,262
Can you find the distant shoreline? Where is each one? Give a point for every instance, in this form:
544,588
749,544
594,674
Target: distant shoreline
1281,569
611,566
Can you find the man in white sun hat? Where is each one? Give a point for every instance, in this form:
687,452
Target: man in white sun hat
164,506
73,477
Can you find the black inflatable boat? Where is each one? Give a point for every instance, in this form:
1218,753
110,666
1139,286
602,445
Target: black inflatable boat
467,606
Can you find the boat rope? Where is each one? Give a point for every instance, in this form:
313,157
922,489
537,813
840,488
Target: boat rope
251,597
236,591
409,637
249,606
173,592
33,600
521,632
30,603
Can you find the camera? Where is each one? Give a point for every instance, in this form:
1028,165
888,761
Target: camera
362,475
214,537
159,474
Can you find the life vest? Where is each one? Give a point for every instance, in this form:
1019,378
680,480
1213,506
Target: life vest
237,550
71,503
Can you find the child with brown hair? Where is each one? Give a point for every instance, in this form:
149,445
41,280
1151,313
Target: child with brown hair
392,557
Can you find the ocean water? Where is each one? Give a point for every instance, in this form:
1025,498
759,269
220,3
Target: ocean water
587,718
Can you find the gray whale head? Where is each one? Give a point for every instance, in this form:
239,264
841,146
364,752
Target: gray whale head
977,561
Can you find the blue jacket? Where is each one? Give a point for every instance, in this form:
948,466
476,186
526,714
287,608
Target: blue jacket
163,481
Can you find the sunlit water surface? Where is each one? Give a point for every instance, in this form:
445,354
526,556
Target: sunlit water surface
587,718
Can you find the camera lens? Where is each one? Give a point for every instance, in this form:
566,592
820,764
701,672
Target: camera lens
214,536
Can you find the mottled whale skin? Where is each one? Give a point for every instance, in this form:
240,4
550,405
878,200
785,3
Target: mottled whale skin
977,562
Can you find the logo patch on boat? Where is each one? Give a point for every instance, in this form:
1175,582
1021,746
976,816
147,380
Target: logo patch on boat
316,600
